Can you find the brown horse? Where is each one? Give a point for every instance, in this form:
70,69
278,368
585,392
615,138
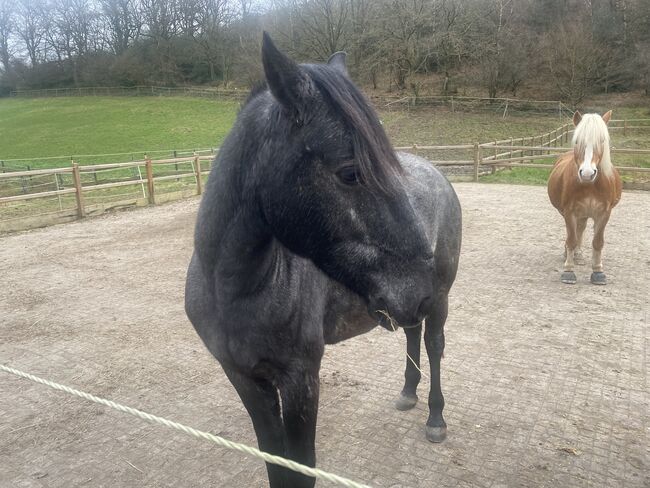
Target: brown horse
584,184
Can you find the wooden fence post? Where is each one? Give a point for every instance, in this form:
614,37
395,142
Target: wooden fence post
76,177
150,186
197,168
477,160
624,126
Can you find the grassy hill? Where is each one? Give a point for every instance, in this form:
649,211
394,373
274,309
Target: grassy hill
46,127
78,126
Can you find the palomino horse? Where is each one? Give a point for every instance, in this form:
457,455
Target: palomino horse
309,231
584,184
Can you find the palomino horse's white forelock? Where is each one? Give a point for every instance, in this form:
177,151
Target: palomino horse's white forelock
592,131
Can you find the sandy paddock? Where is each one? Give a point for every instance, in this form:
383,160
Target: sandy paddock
546,384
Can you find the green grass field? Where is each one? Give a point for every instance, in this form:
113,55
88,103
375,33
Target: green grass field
78,126
46,127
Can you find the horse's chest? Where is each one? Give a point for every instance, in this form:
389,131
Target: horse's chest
347,317
589,207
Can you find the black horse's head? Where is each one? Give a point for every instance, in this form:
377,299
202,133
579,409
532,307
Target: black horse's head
331,187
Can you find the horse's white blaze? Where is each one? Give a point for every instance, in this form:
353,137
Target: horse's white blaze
588,168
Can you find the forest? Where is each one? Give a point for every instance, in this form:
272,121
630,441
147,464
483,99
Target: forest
554,49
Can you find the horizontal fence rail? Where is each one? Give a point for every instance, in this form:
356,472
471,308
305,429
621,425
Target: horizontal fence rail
111,91
37,197
460,103
80,190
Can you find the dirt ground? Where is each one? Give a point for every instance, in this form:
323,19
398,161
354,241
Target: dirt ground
546,384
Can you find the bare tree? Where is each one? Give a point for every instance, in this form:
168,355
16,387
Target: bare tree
7,27
575,62
323,27
405,24
213,19
31,26
123,23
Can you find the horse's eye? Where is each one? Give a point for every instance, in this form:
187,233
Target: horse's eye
349,175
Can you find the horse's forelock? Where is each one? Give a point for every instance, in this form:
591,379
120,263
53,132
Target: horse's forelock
377,160
592,130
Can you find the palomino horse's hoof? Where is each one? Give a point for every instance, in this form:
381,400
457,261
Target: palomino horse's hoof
598,278
405,402
569,277
436,434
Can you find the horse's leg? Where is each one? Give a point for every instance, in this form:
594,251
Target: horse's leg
261,400
299,391
580,230
408,398
598,276
568,276
434,340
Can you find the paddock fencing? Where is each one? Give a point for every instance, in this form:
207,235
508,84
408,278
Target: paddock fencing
31,198
454,103
134,91
471,161
40,197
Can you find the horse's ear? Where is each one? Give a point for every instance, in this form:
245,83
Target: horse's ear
337,60
577,117
607,116
288,82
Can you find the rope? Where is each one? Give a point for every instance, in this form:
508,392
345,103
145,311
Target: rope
220,441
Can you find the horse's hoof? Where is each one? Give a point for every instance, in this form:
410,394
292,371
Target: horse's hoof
569,277
598,278
405,402
436,434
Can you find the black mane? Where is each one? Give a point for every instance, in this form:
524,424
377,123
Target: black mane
372,150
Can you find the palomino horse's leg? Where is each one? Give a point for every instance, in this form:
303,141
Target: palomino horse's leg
261,400
568,276
580,230
299,391
408,397
597,276
434,340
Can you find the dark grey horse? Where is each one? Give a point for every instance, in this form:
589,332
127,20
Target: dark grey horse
309,232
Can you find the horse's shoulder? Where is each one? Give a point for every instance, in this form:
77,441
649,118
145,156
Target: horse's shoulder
617,187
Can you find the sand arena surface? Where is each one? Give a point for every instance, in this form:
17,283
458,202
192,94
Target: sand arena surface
546,384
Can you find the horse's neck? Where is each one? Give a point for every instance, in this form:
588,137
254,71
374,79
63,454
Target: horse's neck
232,241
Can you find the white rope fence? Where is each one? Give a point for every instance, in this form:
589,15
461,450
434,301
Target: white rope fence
220,441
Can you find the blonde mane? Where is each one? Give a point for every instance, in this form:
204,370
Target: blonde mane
592,130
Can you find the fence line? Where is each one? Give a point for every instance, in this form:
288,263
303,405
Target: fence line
454,102
64,194
220,441
91,189
515,152
216,93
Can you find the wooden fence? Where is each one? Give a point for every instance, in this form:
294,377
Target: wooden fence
41,197
521,152
64,194
454,103
113,91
